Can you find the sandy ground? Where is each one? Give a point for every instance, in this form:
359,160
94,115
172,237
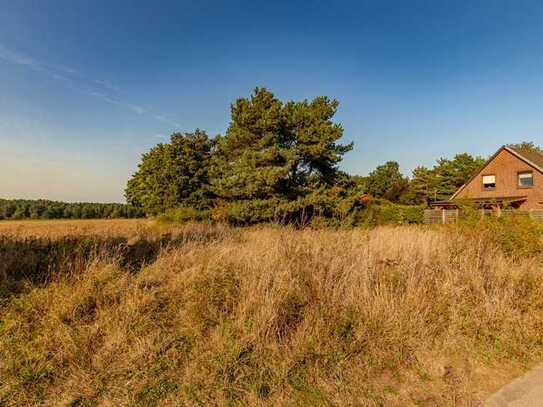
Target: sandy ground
525,391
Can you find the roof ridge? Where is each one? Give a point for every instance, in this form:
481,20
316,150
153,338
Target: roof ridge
524,150
528,156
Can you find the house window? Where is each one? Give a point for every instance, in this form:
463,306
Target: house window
489,182
525,179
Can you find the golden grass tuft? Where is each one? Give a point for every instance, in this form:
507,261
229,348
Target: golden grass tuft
277,316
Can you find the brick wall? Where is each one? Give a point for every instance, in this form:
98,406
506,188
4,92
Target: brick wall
506,166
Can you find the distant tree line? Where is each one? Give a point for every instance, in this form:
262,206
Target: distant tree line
279,161
44,209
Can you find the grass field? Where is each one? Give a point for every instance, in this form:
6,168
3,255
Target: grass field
59,228
133,313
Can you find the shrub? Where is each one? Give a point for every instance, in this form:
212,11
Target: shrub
251,212
184,214
299,212
382,212
517,234
317,210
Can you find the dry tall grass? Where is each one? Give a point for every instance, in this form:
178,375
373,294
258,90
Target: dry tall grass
274,316
62,228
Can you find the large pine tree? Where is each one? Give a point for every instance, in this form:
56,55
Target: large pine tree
277,151
253,159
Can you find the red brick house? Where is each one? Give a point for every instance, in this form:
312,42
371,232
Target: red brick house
511,177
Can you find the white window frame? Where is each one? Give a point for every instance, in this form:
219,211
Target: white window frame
488,180
526,174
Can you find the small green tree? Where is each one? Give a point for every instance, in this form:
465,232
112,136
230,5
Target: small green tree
444,179
452,174
386,181
423,184
172,174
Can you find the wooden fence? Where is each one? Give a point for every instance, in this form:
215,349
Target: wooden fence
443,216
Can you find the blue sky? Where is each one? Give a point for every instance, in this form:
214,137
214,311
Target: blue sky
86,87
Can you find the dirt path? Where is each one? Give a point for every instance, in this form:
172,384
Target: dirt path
526,391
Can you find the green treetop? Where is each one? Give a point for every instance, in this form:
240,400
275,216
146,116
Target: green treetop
276,150
172,174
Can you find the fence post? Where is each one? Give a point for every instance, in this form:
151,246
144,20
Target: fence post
443,215
457,215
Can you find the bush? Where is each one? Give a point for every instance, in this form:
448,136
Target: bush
323,208
300,212
517,234
251,212
381,212
318,210
184,215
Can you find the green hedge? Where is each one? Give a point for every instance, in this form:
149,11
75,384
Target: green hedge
381,212
315,210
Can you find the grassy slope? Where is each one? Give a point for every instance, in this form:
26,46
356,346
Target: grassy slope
394,316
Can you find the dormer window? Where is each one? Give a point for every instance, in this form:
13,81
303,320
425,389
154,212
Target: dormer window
526,179
489,182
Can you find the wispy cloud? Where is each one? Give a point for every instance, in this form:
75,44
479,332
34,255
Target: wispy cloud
166,120
66,69
135,108
16,58
107,84
79,81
